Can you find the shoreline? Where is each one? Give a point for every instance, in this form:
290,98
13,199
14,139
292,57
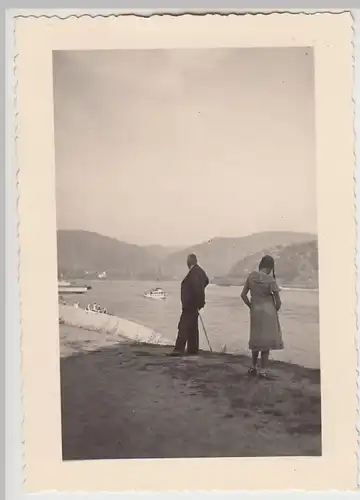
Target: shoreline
285,288
226,284
121,329
114,330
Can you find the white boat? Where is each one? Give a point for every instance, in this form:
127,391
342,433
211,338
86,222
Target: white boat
155,293
66,287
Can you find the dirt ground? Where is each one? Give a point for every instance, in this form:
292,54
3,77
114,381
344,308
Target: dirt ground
133,401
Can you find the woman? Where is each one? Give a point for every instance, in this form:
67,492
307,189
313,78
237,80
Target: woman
264,304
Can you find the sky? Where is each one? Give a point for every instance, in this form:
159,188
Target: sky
175,147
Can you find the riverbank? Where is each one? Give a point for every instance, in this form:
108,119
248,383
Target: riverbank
125,399
112,328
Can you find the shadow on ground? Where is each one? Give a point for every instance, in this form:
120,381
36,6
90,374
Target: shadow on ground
133,401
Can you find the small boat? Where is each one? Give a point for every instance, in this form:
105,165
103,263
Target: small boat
95,308
155,293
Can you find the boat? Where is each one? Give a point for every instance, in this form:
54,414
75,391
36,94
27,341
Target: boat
95,308
155,293
66,287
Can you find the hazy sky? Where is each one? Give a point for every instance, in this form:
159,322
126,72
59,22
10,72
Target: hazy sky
179,146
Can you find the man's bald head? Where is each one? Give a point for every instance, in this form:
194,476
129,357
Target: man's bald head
191,260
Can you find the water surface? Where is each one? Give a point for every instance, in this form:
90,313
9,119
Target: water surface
225,317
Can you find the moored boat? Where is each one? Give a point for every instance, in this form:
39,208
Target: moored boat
66,287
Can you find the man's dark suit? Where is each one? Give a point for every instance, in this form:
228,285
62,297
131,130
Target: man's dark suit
192,299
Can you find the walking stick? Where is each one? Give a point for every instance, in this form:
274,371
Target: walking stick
207,338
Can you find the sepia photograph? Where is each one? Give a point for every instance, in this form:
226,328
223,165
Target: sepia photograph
187,253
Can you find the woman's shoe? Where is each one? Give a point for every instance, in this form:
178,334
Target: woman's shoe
252,371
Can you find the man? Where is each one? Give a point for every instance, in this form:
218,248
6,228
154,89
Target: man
192,300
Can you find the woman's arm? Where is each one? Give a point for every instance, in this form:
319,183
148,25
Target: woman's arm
277,300
275,291
244,294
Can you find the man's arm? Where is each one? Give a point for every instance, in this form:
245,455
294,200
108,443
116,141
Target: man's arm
198,287
206,280
204,284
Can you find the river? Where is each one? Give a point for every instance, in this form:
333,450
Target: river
225,317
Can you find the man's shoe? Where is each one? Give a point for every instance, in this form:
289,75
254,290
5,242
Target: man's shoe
176,353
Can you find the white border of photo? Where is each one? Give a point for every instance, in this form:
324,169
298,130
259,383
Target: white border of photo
331,37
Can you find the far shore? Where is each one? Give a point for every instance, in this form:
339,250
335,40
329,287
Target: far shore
282,287
221,282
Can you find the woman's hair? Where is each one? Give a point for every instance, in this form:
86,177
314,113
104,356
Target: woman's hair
267,262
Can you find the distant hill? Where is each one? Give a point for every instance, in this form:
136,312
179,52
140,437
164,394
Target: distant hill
219,255
160,252
296,265
82,252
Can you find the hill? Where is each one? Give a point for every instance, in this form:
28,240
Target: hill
87,253
82,252
219,255
160,252
296,265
